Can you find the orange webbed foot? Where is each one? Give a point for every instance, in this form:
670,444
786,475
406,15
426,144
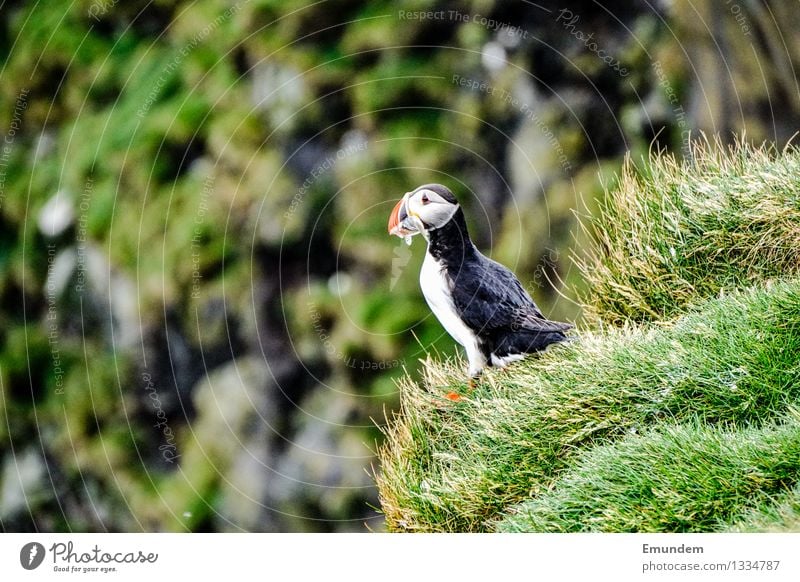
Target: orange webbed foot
454,396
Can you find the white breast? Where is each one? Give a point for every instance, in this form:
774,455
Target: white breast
436,289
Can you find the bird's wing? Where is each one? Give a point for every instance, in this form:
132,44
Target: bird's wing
488,296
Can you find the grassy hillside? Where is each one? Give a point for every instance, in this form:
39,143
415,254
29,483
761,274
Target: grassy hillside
681,417
672,233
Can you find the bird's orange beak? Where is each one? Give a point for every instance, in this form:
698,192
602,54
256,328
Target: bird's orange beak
394,219
397,219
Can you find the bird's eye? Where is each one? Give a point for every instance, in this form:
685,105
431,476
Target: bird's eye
425,199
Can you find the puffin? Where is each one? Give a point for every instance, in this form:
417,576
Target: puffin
478,301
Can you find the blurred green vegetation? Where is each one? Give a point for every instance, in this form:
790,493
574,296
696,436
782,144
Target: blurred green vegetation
197,192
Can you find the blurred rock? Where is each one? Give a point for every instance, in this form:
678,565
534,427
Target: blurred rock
23,483
325,464
45,145
60,272
278,91
56,215
84,283
493,57
234,428
232,401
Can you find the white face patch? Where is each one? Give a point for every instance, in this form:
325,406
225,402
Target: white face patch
429,210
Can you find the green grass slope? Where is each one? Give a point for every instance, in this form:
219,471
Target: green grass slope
671,232
684,424
676,478
782,514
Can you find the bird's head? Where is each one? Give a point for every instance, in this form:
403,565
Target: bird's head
427,208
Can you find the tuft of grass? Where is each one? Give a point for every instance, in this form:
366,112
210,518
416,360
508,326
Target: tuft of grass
673,232
780,514
691,478
733,361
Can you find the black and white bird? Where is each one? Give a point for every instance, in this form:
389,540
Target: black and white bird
480,303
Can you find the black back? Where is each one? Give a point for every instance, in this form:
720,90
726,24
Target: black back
488,297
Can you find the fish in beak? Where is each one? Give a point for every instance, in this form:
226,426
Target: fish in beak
399,222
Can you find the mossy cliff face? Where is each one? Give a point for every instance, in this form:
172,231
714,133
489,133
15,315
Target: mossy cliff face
200,309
